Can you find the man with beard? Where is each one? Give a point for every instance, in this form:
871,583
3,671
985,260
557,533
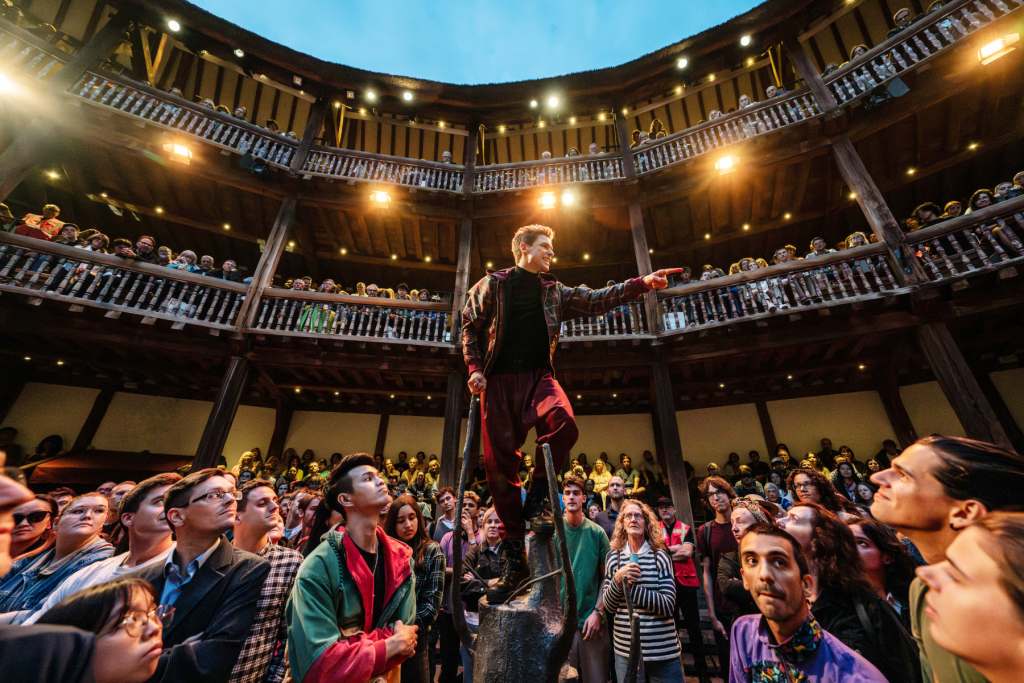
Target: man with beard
145,250
785,643
213,586
616,494
510,326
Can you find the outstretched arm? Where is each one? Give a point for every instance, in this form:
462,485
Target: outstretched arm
583,301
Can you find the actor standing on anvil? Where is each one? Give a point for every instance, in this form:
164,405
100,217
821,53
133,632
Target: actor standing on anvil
510,327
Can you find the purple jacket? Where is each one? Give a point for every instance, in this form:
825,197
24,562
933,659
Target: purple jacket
819,656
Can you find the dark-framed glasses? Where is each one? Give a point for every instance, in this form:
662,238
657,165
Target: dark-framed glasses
217,495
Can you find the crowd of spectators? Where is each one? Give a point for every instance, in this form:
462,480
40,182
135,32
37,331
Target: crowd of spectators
401,292
930,213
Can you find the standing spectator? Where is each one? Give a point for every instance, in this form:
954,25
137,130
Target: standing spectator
827,455
588,548
446,521
481,570
148,537
714,539
405,522
639,563
888,566
747,485
145,250
33,526
811,486
616,496
845,479
77,544
760,469
213,587
680,543
262,656
471,537
62,495
935,489
786,643
351,611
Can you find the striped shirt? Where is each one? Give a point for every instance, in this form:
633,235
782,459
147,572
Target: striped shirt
654,599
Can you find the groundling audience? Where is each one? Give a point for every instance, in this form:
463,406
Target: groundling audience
304,569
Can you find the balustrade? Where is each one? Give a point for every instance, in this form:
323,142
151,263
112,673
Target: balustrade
623,321
588,169
349,165
44,270
848,276
27,54
312,314
928,36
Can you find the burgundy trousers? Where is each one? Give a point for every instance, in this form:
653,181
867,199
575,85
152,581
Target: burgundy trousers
513,404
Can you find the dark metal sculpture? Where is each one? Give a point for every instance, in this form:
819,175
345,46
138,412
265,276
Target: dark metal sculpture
528,637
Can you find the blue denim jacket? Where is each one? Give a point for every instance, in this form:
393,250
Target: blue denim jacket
32,579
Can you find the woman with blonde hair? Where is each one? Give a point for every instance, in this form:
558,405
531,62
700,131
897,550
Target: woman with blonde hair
639,579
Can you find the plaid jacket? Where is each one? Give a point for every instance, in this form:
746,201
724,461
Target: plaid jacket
262,657
429,586
483,314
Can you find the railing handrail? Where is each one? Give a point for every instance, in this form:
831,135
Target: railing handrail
606,156
1015,205
280,293
373,156
885,46
33,41
774,270
195,107
76,254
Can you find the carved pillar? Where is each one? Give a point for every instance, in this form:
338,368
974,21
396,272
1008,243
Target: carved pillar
809,74
263,275
454,411
222,414
465,251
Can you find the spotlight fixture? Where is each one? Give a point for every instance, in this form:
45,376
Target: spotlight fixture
343,251
227,226
337,104
104,195
711,78
682,63
852,196
862,367
997,48
159,210
650,251
745,40
572,120
179,152
489,264
6,85
391,396
370,95
911,171
440,124
786,216
60,362
337,393
501,129
429,397
239,52
707,235
751,61
586,256
51,174
568,198
298,390
427,258
547,200
625,111
394,257
291,244
362,110
789,377
746,226
721,385
600,116
533,104
615,395
972,146
541,124
554,259
380,197
578,397
174,25
27,358
679,90
553,101
725,164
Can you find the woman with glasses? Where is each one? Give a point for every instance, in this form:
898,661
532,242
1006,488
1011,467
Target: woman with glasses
33,526
639,564
810,486
128,625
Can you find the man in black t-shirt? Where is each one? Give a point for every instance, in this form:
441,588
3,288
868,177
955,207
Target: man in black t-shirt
714,539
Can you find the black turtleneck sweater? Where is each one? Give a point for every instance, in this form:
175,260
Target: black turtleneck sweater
524,343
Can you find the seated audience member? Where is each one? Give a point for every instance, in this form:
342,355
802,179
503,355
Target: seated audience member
747,485
212,586
639,563
228,271
1004,191
888,566
164,256
149,542
902,19
937,487
77,544
68,235
262,656
843,601
785,642
123,247
976,599
926,214
185,261
62,495
44,226
34,526
127,623
952,209
811,486
405,522
206,264
819,247
351,612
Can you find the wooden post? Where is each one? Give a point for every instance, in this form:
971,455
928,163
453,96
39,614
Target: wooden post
809,74
35,144
628,165
382,434
465,249
767,428
454,409
902,426
314,124
876,211
1002,411
10,389
282,423
222,414
92,421
263,275
642,254
960,385
669,428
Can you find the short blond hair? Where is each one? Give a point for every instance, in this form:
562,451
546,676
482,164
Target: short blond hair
528,234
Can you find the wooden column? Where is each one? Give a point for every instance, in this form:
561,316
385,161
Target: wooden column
664,404
628,165
999,407
218,424
382,434
902,426
767,428
643,263
465,247
454,411
263,275
809,74
93,420
282,423
960,385
36,143
314,124
10,389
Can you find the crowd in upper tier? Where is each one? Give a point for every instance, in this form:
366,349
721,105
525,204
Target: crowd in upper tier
401,292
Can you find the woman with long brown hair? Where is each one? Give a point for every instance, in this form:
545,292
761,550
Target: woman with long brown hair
640,564
405,522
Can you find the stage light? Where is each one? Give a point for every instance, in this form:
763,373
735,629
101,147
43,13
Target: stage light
227,226
547,200
392,396
370,96
789,376
429,397
179,152
600,116
159,210
911,171
337,104
394,257
682,63
786,216
973,146
239,52
541,124
679,90
745,40
380,197
27,358
707,235
586,256
615,395
746,226
174,25
6,86
533,104
721,385
362,110
553,101
578,397
51,174
751,61
711,78
104,195
625,111
337,393
298,390
440,124
291,244
862,367
572,120
501,129
343,251
650,251
852,196
489,264
997,48
60,362
407,95
725,164
568,198
554,259
427,258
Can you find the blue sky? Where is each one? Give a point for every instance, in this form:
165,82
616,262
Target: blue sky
477,41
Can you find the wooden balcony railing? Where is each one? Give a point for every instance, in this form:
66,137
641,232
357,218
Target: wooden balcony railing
181,116
765,117
845,277
344,164
521,176
627,320
32,57
44,270
930,35
332,316
985,240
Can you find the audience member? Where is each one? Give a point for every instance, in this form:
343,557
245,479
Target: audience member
34,526
714,539
616,495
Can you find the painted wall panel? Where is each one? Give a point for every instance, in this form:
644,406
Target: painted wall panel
44,409
709,434
327,433
856,419
929,411
253,427
1010,384
411,434
136,422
